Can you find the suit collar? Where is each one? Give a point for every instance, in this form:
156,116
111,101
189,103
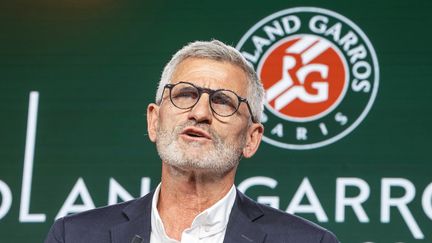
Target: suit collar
241,227
138,215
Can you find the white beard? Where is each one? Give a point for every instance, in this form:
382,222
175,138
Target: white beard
222,158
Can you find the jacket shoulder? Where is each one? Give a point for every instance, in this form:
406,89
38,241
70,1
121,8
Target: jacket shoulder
281,225
101,217
95,224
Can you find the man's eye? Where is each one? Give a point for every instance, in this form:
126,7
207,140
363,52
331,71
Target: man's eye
186,94
222,99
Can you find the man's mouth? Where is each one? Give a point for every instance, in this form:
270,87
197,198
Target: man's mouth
194,132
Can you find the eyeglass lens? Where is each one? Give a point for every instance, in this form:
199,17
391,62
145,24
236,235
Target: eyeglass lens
222,102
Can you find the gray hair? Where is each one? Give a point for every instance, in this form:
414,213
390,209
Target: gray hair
218,51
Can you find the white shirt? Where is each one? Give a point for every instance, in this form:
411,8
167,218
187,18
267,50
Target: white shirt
208,227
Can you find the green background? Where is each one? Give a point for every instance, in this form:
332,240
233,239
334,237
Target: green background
96,65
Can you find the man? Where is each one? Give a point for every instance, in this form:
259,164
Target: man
206,117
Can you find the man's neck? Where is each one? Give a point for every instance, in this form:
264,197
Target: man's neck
186,193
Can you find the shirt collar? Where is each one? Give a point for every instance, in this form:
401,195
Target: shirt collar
209,222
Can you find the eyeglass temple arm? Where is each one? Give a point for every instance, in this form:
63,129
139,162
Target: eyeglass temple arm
250,110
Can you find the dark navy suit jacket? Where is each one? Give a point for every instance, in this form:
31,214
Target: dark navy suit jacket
249,222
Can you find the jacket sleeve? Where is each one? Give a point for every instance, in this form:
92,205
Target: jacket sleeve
329,237
56,233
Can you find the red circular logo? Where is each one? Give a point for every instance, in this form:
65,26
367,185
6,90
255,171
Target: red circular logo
305,77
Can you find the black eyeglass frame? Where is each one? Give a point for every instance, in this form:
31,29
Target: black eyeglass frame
210,92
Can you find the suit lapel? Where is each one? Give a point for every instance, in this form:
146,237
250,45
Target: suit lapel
241,227
139,222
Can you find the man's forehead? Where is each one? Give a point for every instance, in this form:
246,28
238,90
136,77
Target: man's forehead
211,73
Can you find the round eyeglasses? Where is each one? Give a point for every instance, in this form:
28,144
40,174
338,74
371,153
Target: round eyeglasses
223,102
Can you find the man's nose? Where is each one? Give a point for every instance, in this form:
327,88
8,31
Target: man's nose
202,112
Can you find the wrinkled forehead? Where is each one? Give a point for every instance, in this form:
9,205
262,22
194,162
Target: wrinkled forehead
213,74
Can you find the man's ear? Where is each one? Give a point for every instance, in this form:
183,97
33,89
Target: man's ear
152,121
253,139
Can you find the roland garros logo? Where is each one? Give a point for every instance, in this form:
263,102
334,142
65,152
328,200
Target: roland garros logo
320,73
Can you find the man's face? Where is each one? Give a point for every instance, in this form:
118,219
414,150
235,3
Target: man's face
196,138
